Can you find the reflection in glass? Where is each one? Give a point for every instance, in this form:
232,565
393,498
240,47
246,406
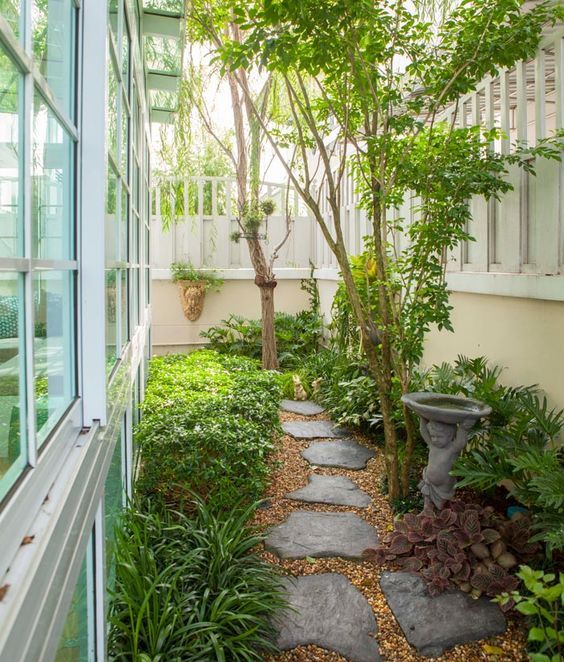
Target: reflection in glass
10,11
111,221
123,223
111,120
78,639
53,301
124,308
114,501
124,140
113,12
53,23
52,210
13,455
11,235
111,319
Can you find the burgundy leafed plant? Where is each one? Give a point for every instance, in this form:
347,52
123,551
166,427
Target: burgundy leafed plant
463,545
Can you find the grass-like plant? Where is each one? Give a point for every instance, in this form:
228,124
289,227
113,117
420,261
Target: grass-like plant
191,588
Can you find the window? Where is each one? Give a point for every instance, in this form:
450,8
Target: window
78,639
37,231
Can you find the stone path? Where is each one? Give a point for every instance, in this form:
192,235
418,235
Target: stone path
329,612
326,609
343,454
335,490
303,407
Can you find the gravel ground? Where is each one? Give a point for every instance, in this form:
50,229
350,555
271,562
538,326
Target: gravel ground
290,472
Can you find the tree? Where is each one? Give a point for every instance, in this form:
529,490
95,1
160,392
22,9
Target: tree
213,24
366,83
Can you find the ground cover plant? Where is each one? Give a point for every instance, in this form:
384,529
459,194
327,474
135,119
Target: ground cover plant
190,588
207,427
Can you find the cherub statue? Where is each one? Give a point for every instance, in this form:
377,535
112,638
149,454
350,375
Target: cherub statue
445,445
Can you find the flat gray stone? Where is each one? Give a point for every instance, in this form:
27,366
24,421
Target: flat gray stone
435,624
345,453
336,490
313,430
303,407
321,535
329,612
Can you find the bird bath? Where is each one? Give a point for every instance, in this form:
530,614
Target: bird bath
444,421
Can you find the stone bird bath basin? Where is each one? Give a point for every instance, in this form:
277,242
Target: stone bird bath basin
444,422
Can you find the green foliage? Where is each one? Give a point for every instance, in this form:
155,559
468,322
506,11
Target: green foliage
517,443
543,604
191,588
185,271
297,336
207,426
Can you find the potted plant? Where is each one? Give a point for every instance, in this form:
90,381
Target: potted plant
193,284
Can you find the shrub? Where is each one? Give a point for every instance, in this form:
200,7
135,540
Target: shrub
297,336
207,427
463,545
543,604
191,589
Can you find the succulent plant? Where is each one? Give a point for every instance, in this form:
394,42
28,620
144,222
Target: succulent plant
463,545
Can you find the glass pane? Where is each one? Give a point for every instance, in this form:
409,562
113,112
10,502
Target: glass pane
163,53
11,235
53,301
53,23
113,12
111,221
111,120
124,300
78,639
53,184
124,139
13,454
114,501
10,11
111,319
123,224
125,51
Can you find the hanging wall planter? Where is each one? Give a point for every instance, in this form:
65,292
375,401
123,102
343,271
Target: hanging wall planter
192,296
193,284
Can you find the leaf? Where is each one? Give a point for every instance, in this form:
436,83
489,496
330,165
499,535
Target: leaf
310,559
3,591
536,634
28,540
492,650
526,608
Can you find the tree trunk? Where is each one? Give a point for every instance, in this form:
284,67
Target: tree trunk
410,441
269,349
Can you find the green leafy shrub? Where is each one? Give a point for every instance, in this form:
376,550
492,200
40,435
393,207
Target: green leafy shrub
191,588
297,336
543,604
515,445
207,427
463,545
185,271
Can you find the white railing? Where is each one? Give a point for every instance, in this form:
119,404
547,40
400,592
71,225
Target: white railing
201,213
523,234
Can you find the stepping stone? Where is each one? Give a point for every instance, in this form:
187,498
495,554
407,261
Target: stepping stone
321,535
303,407
331,613
336,490
435,624
313,430
345,454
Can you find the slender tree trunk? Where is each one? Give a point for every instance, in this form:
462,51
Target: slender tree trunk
269,349
410,441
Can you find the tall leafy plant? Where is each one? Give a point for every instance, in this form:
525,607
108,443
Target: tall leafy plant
375,77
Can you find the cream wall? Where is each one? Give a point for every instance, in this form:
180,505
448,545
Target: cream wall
171,331
525,336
